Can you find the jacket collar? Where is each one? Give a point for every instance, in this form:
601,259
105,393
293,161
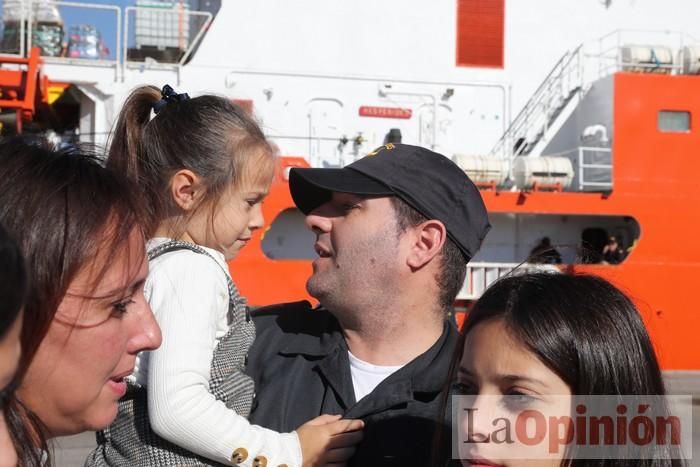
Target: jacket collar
325,337
429,371
426,373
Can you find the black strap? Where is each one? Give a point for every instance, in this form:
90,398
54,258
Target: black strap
175,245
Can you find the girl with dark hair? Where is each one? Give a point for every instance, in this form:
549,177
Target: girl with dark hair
85,315
542,340
204,168
13,286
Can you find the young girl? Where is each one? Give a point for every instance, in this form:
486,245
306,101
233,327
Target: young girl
546,342
205,167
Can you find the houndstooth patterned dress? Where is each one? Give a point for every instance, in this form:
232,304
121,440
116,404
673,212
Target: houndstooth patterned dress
130,441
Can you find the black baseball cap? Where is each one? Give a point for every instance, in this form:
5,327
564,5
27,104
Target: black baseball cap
427,181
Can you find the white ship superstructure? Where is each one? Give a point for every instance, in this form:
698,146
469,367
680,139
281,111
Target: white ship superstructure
309,67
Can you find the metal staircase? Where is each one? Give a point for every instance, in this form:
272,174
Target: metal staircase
534,122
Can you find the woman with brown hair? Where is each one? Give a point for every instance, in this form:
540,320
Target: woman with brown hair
85,317
13,285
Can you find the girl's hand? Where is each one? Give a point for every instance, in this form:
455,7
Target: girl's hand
329,440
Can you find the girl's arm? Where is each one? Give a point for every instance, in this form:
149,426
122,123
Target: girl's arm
189,295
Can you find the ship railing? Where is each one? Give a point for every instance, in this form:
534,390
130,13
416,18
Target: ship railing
110,58
481,275
573,75
16,46
532,122
185,37
608,51
33,24
174,40
592,165
596,175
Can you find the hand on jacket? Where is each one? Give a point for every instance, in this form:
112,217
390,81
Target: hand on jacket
329,440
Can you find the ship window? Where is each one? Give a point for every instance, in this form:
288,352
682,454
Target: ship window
572,239
674,121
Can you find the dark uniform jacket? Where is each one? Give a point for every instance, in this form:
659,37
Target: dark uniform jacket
301,369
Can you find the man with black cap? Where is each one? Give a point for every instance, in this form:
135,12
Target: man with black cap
394,231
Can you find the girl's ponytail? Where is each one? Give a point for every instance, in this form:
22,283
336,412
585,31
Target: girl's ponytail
126,153
126,140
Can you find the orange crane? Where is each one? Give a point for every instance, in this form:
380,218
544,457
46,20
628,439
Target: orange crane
23,88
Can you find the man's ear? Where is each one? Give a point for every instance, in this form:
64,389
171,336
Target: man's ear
186,189
427,242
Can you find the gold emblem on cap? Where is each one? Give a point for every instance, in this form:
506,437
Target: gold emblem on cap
388,146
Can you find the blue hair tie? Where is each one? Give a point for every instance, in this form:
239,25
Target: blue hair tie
168,95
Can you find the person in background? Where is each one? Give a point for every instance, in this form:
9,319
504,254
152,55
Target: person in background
204,168
13,287
613,252
545,253
85,315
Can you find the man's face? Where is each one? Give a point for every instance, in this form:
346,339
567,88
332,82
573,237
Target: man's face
358,244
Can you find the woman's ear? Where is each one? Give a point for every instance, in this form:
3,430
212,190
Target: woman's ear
186,189
427,242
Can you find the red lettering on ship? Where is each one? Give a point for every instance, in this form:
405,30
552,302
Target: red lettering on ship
385,112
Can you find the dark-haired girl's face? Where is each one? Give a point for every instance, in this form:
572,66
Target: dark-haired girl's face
10,351
77,376
501,379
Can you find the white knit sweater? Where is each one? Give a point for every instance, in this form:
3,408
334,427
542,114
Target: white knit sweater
189,297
